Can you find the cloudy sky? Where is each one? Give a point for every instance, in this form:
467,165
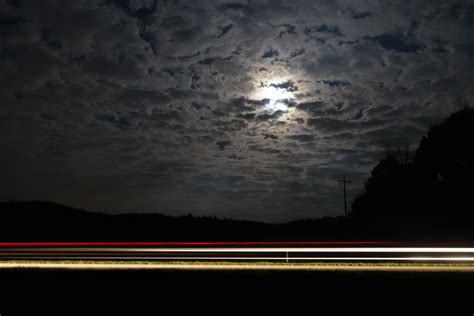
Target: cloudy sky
242,109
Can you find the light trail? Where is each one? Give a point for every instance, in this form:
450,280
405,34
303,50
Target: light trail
312,249
193,244
344,266
451,259
265,249
255,253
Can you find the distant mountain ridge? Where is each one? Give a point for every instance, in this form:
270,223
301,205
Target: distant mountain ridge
36,206
42,220
39,221
48,221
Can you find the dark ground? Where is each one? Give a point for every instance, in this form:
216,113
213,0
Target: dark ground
89,292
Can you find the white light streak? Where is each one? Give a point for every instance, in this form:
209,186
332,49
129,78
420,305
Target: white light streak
265,249
293,254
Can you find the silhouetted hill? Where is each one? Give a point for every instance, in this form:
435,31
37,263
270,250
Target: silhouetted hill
38,209
38,220
46,221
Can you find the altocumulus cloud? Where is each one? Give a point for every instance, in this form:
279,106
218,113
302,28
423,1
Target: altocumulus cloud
155,105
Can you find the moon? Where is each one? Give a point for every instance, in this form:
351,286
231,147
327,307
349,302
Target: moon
278,97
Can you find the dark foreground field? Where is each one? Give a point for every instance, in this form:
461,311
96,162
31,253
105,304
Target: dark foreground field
230,291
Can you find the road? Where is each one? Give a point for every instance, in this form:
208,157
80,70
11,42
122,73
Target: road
236,251
318,276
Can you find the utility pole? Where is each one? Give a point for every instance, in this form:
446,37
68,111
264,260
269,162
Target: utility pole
344,181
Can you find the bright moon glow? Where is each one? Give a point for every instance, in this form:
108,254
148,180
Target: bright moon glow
276,97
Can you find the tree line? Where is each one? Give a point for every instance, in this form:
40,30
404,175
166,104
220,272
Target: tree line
428,190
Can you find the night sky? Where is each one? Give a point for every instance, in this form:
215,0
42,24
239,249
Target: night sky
241,109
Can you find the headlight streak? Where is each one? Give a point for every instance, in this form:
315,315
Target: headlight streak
270,249
220,253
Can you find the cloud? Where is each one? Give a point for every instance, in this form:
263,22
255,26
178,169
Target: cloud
297,52
330,125
302,137
270,136
336,83
397,42
114,119
223,144
332,30
270,53
157,104
287,85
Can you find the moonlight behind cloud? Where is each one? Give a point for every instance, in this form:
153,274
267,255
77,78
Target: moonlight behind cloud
241,109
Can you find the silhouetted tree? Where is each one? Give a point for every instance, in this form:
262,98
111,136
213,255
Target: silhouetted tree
427,191
403,154
444,162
